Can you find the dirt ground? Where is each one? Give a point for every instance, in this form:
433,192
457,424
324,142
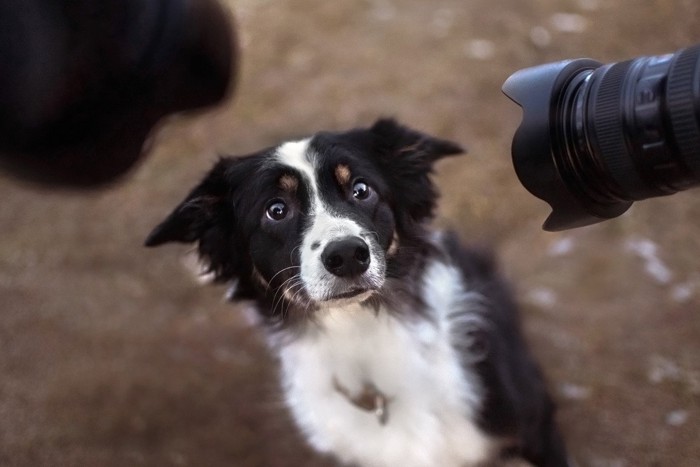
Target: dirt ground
111,355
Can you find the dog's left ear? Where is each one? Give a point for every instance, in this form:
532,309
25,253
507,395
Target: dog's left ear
407,157
206,217
411,148
197,213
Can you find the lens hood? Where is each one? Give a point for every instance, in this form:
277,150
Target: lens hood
540,91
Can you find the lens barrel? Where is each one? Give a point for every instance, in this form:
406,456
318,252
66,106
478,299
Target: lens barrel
594,138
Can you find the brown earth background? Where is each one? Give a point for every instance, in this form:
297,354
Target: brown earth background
111,355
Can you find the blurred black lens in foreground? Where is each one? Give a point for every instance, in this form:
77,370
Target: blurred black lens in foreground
594,138
83,82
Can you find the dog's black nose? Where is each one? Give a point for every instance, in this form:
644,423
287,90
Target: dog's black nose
347,257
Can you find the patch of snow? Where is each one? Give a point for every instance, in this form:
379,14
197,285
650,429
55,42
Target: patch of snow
682,293
542,296
573,391
561,247
653,265
480,49
569,22
588,5
540,36
677,417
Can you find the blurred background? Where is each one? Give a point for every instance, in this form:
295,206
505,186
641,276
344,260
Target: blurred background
112,355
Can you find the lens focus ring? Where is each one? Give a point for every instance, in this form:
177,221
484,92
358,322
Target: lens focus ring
608,123
684,81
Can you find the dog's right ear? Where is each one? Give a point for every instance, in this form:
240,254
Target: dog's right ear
198,213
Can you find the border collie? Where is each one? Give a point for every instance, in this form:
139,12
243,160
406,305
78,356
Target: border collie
398,347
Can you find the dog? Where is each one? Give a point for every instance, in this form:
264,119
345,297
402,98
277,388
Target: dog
397,346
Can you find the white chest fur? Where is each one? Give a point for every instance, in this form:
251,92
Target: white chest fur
431,398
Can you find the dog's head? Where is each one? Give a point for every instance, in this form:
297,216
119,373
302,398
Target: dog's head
315,222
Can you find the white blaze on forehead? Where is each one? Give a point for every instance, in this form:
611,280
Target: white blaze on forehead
297,155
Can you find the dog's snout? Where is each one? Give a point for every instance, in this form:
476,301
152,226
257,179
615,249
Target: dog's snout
347,257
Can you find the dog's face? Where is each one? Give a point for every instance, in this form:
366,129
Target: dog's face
315,222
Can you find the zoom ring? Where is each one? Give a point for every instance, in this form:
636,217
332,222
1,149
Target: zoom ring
683,101
609,130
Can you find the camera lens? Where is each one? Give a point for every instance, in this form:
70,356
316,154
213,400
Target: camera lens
594,138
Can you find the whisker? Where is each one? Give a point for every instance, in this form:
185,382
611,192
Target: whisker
286,288
279,290
281,271
293,299
281,287
291,254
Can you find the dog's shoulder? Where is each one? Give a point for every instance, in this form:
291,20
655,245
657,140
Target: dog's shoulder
475,262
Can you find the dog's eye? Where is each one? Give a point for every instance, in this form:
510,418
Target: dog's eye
277,210
360,190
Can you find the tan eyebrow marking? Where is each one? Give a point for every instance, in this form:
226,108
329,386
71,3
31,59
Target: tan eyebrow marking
288,183
342,174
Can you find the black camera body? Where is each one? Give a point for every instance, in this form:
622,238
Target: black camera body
84,82
595,138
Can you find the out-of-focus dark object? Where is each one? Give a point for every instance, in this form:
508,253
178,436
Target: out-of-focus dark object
594,138
82,82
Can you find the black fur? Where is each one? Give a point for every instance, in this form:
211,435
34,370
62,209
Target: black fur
223,215
517,404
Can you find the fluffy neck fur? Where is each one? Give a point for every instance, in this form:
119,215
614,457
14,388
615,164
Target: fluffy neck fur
404,353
